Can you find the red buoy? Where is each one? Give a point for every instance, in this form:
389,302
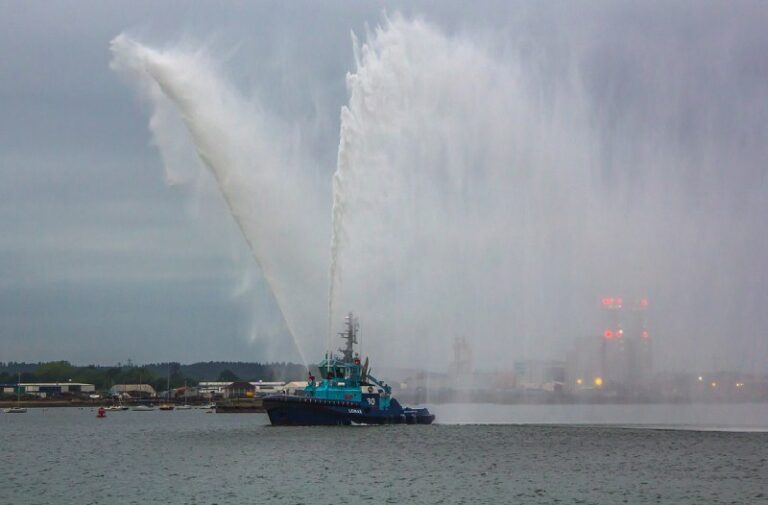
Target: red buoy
101,412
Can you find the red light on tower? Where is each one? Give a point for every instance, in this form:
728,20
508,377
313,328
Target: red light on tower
645,334
611,302
608,334
643,303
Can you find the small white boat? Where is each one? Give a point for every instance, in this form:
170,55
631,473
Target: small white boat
142,408
183,407
18,409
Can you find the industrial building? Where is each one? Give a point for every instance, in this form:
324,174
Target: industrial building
290,388
583,366
133,391
237,389
540,375
619,358
48,389
626,345
210,389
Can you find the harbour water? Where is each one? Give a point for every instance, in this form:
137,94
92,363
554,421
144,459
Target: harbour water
68,456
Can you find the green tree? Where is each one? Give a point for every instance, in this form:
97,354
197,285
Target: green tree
228,376
55,371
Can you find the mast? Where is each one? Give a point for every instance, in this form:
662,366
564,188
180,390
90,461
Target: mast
350,335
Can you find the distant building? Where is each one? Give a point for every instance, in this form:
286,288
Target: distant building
583,366
133,391
290,388
543,375
239,389
49,389
639,338
261,388
463,363
185,392
223,389
211,389
625,354
618,360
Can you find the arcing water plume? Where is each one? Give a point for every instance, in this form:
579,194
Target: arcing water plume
493,193
258,171
499,190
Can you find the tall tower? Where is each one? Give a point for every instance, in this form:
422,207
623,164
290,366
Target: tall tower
625,352
614,358
462,358
642,356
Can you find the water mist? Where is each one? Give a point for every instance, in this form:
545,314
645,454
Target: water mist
498,193
257,168
497,189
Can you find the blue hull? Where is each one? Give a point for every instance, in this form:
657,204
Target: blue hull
284,410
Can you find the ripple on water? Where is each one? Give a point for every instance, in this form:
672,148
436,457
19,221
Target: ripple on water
67,456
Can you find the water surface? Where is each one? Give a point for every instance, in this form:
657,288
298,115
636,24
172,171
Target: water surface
68,456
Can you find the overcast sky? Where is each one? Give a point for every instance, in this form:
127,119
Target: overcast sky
101,260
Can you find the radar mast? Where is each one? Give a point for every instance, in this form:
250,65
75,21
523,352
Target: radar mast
350,335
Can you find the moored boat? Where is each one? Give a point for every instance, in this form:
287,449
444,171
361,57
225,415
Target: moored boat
18,409
348,394
185,406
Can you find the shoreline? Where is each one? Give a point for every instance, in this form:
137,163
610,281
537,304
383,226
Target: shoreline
244,406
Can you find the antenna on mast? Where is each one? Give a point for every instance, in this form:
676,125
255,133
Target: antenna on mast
350,335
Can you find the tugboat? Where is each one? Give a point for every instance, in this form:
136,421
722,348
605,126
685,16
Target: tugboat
348,394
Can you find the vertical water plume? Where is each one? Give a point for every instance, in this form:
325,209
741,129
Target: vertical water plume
438,143
497,192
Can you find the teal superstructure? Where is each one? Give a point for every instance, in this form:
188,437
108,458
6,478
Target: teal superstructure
345,393
344,378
